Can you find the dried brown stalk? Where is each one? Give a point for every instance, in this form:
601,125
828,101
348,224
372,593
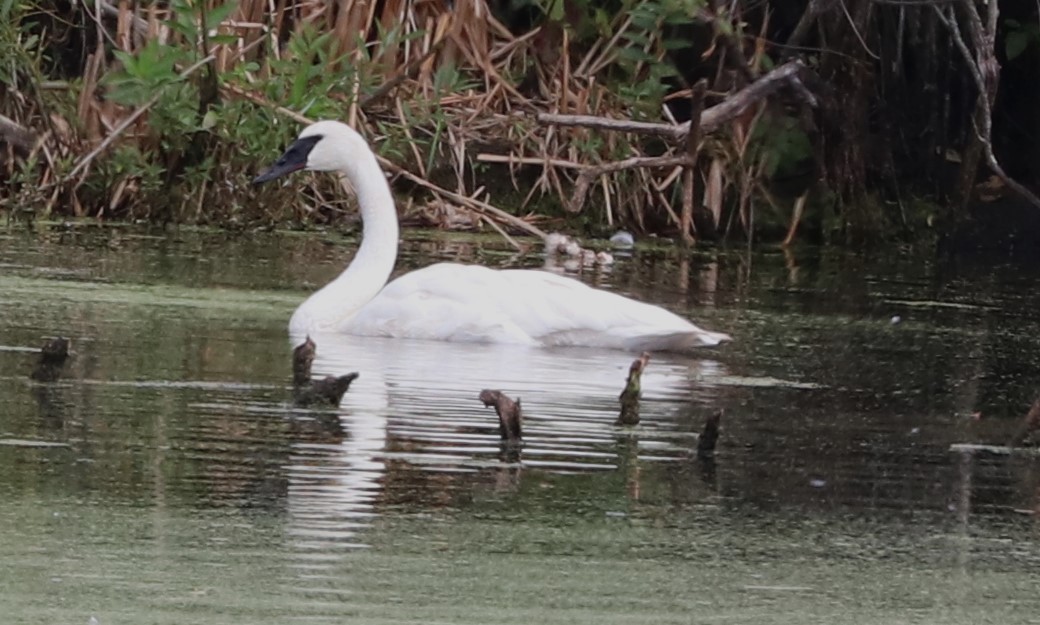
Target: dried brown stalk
693,139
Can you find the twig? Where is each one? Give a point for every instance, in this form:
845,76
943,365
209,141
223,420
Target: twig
605,123
505,235
510,159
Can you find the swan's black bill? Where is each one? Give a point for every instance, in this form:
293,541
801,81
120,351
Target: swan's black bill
294,159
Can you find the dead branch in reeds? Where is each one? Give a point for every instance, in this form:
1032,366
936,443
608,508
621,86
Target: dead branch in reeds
706,121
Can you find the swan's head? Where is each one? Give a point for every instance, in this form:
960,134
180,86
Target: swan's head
322,146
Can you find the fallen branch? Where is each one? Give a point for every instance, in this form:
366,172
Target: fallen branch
711,119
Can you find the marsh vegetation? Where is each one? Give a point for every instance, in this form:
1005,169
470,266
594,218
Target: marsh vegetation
890,121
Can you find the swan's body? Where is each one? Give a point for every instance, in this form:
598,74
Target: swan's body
452,302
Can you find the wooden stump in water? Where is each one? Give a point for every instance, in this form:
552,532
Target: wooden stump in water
302,359
306,391
709,436
510,415
629,397
53,355
1030,423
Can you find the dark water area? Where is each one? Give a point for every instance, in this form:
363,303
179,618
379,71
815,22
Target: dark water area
168,478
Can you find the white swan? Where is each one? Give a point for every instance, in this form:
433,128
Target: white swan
454,302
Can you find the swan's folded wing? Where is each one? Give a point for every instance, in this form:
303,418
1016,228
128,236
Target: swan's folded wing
569,312
473,303
440,302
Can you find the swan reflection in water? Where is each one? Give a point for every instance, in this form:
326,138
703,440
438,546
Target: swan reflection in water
415,405
504,330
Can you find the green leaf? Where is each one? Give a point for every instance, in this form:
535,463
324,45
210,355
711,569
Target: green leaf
209,120
227,40
127,60
216,15
556,10
632,53
1015,43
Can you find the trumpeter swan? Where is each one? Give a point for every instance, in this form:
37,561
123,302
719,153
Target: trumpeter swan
453,302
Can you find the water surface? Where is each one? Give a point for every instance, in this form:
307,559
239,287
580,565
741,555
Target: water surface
180,485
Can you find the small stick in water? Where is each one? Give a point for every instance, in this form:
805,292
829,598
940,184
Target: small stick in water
629,397
510,415
329,390
710,436
1030,423
53,355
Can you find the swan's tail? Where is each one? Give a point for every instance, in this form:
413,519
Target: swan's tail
677,341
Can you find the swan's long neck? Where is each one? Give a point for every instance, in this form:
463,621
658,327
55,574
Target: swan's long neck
336,303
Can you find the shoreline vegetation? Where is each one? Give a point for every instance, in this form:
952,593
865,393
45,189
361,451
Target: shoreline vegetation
859,121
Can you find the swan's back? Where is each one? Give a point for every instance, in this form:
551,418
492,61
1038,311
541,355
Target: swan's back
473,303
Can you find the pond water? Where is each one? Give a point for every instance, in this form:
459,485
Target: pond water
167,477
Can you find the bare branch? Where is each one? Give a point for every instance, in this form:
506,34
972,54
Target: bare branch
711,119
987,88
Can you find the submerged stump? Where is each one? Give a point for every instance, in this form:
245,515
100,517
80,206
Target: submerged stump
1030,423
329,390
302,359
709,436
629,397
510,414
53,356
